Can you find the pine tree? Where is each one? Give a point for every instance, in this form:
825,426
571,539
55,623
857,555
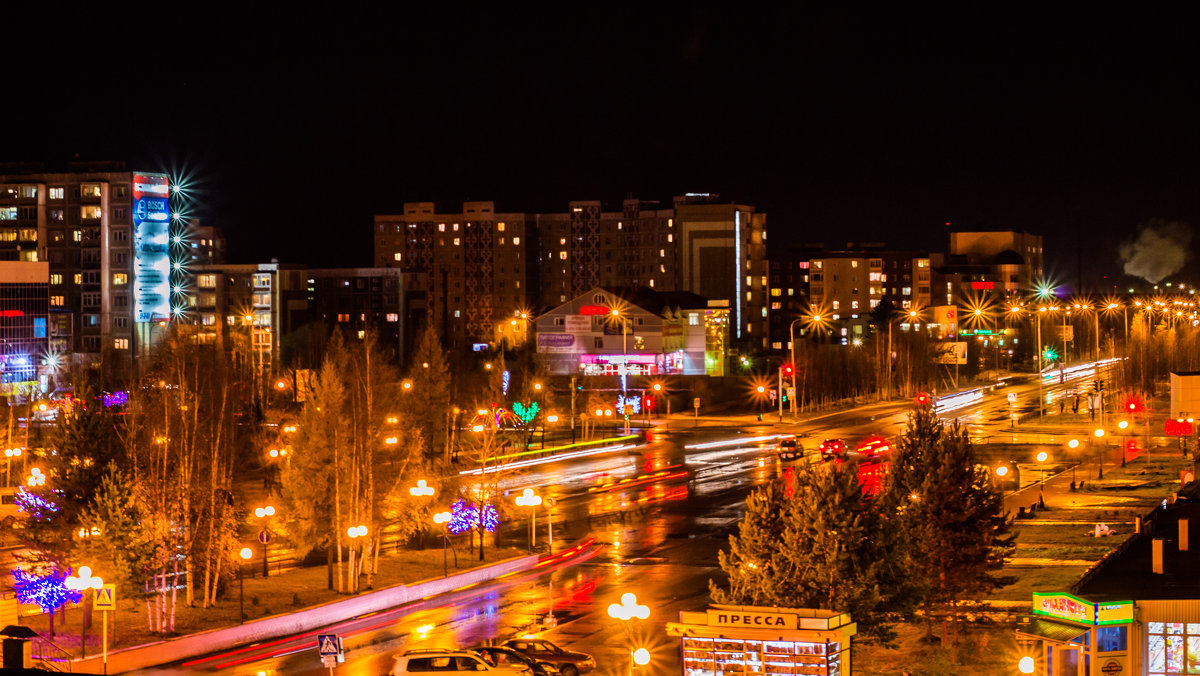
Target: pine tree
818,542
952,518
427,404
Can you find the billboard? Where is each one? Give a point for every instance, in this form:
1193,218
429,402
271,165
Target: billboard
555,342
151,247
950,353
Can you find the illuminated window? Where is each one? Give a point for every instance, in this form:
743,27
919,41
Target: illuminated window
455,227
441,227
837,305
499,227
764,311
791,292
662,253
562,255
906,304
922,262
56,193
819,264
762,281
206,281
120,278
456,241
873,291
90,190
906,291
393,317
89,212
262,280
56,279
58,300
749,280
121,343
516,241
208,319
397,255
362,334
853,305
854,264
874,303
501,241
874,276
343,318
693,319
670,237
562,241
776,292
652,284
457,313
776,305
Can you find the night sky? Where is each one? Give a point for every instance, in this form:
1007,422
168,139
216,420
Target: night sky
841,124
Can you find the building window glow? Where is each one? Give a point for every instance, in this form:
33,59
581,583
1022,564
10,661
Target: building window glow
397,255
516,241
562,255
837,305
120,278
499,227
121,343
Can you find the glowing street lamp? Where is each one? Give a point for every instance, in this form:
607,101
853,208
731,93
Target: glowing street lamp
264,535
246,554
629,609
81,583
1026,665
421,490
35,478
1099,434
529,499
443,519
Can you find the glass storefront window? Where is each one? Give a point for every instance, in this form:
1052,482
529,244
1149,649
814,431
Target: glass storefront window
1112,639
1173,648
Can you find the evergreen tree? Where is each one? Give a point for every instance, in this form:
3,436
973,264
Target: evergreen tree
427,404
818,542
953,520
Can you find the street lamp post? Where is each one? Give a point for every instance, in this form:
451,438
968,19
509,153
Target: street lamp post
421,490
1099,434
792,348
529,499
246,553
264,535
82,583
443,518
355,532
625,611
1073,444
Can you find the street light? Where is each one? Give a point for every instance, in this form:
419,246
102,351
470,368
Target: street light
421,490
529,499
246,553
1026,665
1041,458
1099,434
82,583
264,536
625,611
444,518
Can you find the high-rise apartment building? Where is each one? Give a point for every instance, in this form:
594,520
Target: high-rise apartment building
468,270
107,237
249,304
358,300
475,270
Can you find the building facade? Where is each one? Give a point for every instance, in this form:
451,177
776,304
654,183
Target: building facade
636,332
110,238
477,272
359,300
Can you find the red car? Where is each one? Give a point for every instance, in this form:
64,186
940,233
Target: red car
832,448
873,447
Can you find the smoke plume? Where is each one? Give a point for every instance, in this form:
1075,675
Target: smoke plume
1159,250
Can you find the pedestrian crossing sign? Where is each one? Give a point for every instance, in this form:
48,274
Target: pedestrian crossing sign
106,598
328,645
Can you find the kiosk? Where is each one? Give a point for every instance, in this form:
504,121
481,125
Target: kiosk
1071,636
759,641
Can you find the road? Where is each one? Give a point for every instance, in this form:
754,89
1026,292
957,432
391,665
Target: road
659,512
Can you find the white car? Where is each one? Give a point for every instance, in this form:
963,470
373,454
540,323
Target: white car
423,661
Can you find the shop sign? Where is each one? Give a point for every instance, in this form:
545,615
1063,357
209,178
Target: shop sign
1120,612
578,324
736,618
555,342
1111,667
1063,607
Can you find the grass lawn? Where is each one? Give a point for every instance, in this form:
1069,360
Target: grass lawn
984,649
280,593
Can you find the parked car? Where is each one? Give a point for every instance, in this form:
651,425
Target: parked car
497,655
789,449
569,663
873,447
832,448
421,661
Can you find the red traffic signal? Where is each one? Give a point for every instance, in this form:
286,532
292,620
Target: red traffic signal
788,369
1133,405
923,399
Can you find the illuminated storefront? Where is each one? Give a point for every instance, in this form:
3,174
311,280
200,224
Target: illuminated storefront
601,333
1069,634
752,640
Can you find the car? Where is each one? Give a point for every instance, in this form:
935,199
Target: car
873,447
421,661
497,655
569,663
789,449
832,448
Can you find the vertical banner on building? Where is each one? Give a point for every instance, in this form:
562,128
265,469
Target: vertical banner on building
151,247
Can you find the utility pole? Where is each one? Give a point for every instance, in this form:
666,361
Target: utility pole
573,409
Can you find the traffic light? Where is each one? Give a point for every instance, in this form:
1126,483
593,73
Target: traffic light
788,369
1049,354
923,399
1133,405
